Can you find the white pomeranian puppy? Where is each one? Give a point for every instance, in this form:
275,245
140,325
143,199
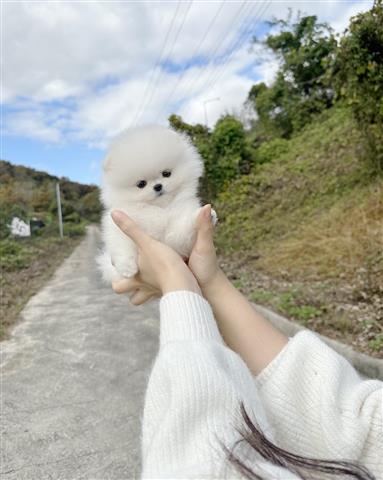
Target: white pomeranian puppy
151,173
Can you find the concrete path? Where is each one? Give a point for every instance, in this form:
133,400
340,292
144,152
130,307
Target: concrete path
73,379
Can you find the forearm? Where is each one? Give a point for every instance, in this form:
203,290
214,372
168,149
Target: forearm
244,330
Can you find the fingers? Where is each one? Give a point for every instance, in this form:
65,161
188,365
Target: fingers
204,241
204,218
130,228
139,293
141,296
126,285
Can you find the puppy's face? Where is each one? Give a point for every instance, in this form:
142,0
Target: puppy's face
150,165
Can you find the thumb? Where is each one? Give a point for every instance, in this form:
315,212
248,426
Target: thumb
130,228
204,241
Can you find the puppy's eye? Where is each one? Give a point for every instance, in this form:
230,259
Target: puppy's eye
166,173
141,184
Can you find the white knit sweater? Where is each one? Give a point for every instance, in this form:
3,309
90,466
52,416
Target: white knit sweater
308,400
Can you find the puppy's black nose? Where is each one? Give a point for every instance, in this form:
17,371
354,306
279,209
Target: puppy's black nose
157,187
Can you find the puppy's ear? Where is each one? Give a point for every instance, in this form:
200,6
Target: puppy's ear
107,163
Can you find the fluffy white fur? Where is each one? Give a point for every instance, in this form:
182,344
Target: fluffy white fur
143,154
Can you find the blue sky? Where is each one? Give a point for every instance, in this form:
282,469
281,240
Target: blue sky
76,161
77,73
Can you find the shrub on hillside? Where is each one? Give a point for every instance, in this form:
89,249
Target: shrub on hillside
269,151
74,229
224,150
230,156
14,255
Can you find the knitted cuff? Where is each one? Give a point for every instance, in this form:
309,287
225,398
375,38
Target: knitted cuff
186,316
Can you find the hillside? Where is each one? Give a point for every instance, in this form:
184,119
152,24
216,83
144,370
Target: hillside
303,233
27,193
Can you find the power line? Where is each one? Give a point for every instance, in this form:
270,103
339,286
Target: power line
167,58
237,47
198,74
158,62
195,53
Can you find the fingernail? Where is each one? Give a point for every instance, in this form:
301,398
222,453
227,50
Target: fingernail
207,211
117,215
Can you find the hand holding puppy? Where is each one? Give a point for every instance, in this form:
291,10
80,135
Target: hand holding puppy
161,269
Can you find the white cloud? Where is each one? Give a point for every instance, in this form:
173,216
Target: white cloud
35,124
96,59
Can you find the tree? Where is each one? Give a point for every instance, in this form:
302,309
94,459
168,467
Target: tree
192,131
224,151
305,49
358,72
200,136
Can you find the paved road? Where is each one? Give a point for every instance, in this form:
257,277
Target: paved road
74,375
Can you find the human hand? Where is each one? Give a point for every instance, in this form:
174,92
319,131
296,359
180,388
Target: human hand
161,269
203,259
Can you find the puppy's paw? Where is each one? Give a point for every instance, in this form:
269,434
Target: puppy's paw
214,217
107,269
127,266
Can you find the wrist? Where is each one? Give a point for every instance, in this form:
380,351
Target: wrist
215,286
180,279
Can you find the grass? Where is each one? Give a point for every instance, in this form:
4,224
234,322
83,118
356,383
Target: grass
319,168
339,241
287,303
15,255
376,343
303,233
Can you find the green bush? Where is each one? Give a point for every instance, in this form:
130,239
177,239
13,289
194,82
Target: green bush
14,255
73,217
91,206
74,230
225,152
268,151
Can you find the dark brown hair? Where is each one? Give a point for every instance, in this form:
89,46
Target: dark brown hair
296,464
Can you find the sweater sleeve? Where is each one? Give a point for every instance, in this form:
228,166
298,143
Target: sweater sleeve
319,406
192,399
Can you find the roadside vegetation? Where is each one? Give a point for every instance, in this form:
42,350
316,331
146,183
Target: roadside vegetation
299,193
26,263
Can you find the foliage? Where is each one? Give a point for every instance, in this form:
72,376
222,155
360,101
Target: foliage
291,209
74,230
200,136
224,150
14,255
90,207
7,212
358,72
377,343
192,131
304,49
230,156
268,151
289,305
27,193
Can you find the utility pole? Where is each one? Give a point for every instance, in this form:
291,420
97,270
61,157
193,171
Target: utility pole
204,107
59,212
